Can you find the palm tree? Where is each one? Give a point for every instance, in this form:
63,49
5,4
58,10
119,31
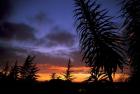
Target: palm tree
100,77
100,44
131,12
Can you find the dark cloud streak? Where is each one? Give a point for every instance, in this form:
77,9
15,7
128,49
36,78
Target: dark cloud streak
17,31
58,36
5,8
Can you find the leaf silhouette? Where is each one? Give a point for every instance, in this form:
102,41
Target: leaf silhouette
101,45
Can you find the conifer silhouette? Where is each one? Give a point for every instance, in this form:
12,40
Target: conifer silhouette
29,70
14,72
68,74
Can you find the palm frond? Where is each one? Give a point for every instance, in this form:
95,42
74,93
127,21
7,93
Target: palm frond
100,45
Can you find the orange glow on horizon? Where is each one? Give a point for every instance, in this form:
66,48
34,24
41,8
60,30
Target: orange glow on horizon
79,77
80,73
47,68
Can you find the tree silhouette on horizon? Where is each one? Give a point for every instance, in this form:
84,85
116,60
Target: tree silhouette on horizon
68,76
101,46
14,72
4,71
53,76
29,70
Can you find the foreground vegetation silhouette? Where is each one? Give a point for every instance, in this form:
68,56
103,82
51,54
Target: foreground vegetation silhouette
131,12
98,38
17,79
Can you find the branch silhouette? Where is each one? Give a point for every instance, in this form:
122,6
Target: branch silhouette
101,46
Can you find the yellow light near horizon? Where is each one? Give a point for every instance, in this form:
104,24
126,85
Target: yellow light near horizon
79,73
120,77
79,77
43,77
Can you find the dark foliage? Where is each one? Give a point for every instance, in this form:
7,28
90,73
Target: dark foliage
100,77
4,71
14,73
53,76
131,12
26,72
29,70
100,43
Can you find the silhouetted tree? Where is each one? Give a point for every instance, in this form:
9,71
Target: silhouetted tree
131,12
100,44
29,70
1,73
14,72
53,76
68,74
5,71
58,77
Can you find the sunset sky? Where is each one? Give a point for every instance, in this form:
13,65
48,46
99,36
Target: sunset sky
45,28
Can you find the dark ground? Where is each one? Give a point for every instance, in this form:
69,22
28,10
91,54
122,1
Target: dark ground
65,87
